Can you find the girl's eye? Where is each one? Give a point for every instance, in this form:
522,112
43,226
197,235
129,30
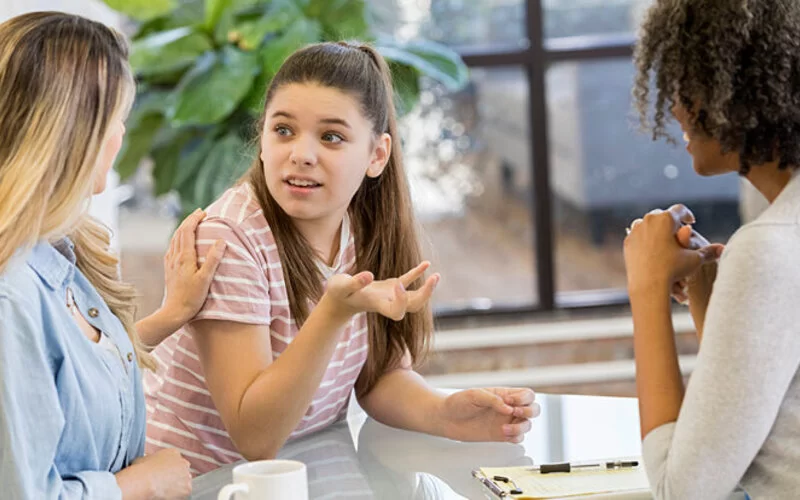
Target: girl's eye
332,138
284,131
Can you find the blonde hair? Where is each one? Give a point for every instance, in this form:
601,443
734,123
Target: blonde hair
383,217
64,80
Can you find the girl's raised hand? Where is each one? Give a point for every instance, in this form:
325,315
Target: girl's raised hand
390,298
419,297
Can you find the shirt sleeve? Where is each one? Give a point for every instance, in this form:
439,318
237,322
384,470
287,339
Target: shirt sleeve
240,290
31,420
748,358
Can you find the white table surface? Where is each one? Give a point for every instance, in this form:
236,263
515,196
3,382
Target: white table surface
363,459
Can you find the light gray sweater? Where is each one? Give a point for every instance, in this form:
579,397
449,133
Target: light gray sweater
740,419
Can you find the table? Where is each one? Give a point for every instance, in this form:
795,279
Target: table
363,459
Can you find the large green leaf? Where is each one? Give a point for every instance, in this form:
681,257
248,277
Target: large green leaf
299,34
166,158
341,19
254,100
214,10
187,13
250,34
238,6
220,163
141,10
137,144
405,80
272,55
431,59
234,171
167,51
148,102
211,90
191,159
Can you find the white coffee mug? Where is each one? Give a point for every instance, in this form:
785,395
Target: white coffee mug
268,479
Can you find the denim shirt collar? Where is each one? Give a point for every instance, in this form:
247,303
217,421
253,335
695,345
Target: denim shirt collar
54,262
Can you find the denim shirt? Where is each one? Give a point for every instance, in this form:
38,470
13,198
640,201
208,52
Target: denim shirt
72,412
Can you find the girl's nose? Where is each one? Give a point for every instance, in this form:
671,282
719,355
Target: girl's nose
303,153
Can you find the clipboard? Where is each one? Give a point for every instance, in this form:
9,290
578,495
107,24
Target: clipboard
528,483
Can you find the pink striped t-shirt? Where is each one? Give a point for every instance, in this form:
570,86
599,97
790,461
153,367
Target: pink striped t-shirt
248,287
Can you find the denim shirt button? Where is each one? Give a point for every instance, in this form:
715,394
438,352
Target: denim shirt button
93,312
130,357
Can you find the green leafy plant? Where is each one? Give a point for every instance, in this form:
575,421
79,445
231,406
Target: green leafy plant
202,67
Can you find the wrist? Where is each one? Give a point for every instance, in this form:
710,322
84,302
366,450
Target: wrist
440,420
336,311
134,483
653,287
163,323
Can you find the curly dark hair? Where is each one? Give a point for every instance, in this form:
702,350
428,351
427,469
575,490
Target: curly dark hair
734,65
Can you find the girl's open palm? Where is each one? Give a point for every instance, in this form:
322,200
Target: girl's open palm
390,297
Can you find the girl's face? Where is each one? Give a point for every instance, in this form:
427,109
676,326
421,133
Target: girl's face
317,146
108,153
706,152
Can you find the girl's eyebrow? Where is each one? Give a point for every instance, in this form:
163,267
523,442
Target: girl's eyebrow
283,114
327,121
336,121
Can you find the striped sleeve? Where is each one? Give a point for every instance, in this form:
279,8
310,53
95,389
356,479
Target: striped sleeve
240,290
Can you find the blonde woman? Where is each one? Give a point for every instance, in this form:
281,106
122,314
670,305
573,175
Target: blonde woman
72,413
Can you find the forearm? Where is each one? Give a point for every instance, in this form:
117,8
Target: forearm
659,384
275,402
158,326
403,399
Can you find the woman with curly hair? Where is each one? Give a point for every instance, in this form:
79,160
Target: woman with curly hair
729,73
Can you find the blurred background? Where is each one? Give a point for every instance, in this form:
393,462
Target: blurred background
525,171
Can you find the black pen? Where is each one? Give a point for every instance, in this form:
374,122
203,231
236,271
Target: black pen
498,492
568,467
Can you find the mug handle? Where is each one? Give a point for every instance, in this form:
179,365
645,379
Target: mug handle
228,491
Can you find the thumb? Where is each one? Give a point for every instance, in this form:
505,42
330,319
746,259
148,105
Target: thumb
213,258
351,284
488,399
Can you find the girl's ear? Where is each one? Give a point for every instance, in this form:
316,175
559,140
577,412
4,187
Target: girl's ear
380,156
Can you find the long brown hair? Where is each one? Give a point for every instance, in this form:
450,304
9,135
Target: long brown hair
381,213
63,81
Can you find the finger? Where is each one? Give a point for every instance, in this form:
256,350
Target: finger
635,223
418,298
170,250
188,229
698,240
527,412
213,258
711,252
489,399
689,238
515,430
357,282
681,215
679,294
518,396
410,277
401,297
